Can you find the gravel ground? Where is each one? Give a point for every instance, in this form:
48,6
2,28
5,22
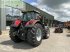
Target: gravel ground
58,42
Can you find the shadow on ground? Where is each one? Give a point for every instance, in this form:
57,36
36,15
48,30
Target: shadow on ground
22,45
68,35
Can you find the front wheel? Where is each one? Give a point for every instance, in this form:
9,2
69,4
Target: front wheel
34,36
47,35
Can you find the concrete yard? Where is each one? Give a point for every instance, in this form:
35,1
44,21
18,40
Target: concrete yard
58,42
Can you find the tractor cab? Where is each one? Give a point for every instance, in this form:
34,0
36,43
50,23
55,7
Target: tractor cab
31,15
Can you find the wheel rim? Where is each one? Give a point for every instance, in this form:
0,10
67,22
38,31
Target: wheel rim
38,34
48,34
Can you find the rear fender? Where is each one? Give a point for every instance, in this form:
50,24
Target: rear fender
31,22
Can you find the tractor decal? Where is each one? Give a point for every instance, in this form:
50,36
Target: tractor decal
31,22
17,22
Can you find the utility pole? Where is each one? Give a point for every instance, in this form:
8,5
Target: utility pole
0,21
0,17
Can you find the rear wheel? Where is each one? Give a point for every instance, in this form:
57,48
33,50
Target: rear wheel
13,35
34,36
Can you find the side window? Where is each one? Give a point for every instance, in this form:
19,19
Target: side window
37,16
33,15
29,16
24,17
45,21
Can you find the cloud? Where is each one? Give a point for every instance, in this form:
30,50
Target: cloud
66,5
34,3
63,19
59,8
52,3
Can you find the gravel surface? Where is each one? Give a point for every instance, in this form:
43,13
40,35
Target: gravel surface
58,42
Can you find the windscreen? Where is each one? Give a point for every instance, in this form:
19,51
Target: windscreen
28,16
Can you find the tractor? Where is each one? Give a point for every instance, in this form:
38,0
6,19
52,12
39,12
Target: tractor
31,28
59,29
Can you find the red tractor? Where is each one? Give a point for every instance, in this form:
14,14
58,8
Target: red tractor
31,28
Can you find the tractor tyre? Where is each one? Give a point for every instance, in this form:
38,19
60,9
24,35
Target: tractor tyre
13,35
34,36
47,35
61,30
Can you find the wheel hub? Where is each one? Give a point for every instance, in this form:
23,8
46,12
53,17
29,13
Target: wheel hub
38,34
48,34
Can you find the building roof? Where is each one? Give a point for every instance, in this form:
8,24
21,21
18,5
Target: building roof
45,14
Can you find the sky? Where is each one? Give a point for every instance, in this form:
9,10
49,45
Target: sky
60,9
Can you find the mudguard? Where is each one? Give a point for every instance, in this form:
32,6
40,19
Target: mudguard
31,22
16,23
